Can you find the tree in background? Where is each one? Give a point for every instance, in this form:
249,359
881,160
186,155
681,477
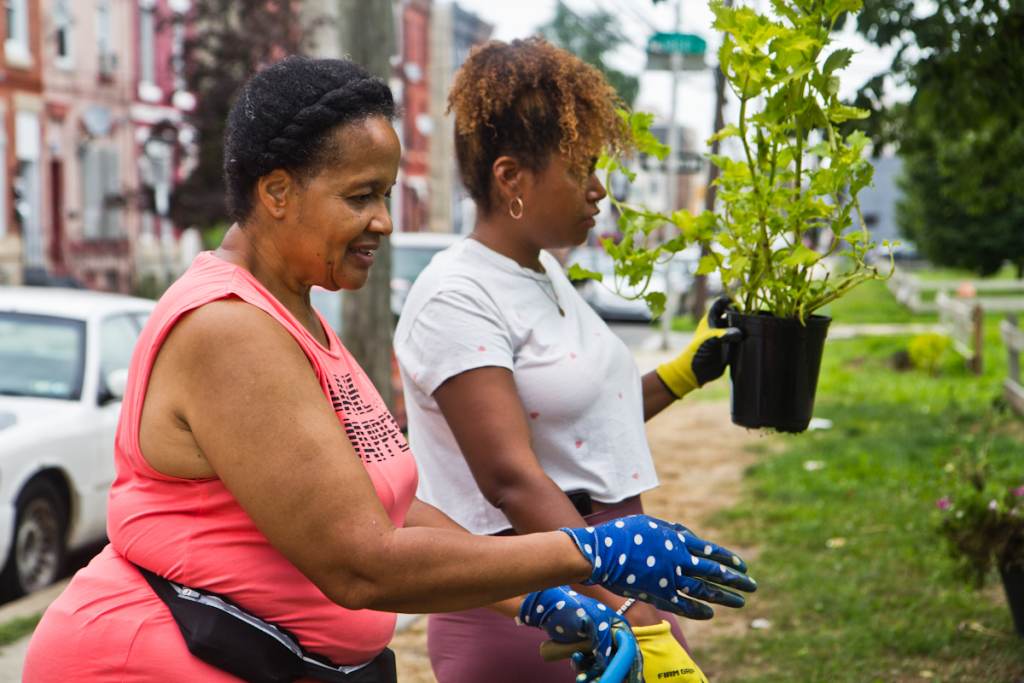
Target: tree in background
231,39
961,135
367,31
590,37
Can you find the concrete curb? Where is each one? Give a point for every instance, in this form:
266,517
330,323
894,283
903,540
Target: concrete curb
12,656
31,605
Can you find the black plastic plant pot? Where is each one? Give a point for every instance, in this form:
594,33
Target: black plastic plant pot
1013,583
774,370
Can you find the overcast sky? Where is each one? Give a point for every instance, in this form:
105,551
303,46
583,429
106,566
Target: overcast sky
640,18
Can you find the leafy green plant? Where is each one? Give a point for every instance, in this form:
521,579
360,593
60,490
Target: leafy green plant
796,173
982,513
928,350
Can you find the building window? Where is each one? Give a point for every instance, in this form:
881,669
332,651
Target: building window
104,40
62,21
147,41
178,53
102,200
16,45
3,175
26,184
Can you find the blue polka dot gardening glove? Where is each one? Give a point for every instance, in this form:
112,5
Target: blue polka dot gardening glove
569,617
664,564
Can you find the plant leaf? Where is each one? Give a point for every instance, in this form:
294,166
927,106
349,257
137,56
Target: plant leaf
840,59
843,112
655,302
707,264
578,272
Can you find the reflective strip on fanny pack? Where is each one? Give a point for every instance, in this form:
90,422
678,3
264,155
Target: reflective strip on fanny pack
186,593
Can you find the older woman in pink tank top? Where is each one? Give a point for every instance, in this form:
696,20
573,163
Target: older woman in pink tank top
257,463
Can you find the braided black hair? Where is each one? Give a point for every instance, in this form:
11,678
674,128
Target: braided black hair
284,115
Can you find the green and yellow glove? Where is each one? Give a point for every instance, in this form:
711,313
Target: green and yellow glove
664,657
705,358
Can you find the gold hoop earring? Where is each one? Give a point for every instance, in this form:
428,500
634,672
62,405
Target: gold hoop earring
516,208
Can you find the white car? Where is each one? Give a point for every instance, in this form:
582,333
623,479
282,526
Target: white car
64,357
410,254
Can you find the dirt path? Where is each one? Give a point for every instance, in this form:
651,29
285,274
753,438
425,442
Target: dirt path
700,456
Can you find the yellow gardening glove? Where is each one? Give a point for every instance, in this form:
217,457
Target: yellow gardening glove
705,357
664,658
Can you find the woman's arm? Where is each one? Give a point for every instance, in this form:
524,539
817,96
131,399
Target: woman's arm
245,391
424,514
657,396
483,410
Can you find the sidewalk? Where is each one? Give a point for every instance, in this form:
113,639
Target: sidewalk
12,655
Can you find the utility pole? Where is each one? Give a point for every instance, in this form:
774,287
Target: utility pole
367,34
672,172
700,282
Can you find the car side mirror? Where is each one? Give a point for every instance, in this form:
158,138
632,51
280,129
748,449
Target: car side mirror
115,383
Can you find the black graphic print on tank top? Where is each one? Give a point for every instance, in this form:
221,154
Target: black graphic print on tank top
370,426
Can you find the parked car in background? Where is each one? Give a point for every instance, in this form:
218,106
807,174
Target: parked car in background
410,254
64,356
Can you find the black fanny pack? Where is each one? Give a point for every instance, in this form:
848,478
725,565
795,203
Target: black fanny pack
225,636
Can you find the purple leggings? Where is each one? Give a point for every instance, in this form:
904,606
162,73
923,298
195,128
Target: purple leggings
482,646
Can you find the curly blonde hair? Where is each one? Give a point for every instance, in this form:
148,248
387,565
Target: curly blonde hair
529,99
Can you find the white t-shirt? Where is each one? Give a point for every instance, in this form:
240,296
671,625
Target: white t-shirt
577,381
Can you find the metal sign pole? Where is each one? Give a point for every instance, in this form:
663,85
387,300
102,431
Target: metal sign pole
672,173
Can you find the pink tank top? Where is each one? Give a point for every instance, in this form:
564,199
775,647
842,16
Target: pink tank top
194,532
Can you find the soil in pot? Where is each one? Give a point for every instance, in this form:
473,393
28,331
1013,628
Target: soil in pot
774,370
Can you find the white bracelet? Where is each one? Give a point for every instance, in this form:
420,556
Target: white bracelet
625,606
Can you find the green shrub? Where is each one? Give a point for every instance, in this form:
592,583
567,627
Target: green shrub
927,351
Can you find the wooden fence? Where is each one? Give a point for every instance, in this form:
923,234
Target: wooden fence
910,291
1013,337
963,320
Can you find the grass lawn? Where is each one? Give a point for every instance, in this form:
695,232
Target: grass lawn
872,302
18,628
1007,272
856,583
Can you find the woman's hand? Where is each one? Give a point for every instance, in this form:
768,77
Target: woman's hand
570,617
663,564
704,359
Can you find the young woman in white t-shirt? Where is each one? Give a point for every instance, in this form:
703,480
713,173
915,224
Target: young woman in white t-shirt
526,413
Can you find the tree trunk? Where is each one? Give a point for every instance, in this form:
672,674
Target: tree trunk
367,33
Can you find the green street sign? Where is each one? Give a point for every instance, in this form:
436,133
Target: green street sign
683,43
661,47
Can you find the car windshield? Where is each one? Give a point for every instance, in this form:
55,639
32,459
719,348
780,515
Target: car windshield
41,356
408,262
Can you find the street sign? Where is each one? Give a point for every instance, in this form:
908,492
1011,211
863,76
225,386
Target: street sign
690,48
687,163
683,43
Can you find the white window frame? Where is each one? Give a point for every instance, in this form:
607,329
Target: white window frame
178,52
27,151
3,173
147,42
16,45
104,36
64,21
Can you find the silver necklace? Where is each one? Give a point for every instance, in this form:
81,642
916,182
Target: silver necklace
552,296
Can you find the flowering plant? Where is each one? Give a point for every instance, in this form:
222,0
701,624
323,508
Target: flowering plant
982,515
